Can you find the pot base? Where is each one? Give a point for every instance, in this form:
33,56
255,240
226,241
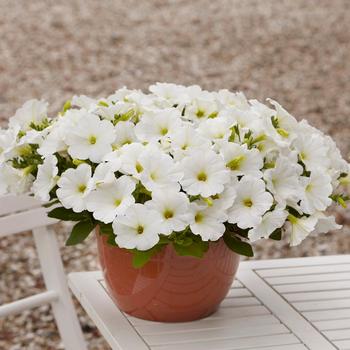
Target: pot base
169,288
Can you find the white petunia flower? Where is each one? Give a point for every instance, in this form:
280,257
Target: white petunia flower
283,181
224,200
207,222
200,109
284,124
8,141
205,173
104,172
271,221
159,170
137,228
90,139
231,99
32,112
174,94
251,203
124,134
325,223
17,181
318,188
156,126
83,101
215,129
46,179
185,140
55,140
74,186
111,199
173,206
312,151
130,159
241,160
301,228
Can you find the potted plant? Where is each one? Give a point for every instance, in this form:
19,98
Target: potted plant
176,183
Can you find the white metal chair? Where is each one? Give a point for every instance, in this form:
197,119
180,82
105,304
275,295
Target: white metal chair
22,213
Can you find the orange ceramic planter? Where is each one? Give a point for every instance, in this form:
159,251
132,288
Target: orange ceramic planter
169,288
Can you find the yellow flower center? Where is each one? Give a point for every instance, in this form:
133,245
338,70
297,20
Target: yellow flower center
92,139
248,202
138,167
202,176
164,131
140,229
168,214
200,113
117,202
82,188
199,217
235,163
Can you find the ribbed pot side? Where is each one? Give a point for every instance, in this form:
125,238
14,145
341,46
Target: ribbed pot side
169,288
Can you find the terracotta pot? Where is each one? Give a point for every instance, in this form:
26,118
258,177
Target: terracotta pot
169,288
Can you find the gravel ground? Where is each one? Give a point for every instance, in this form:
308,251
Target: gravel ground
297,52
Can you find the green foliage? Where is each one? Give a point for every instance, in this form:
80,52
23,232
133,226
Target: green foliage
186,243
64,214
141,257
236,244
340,199
28,160
236,239
80,232
40,127
107,229
276,235
141,194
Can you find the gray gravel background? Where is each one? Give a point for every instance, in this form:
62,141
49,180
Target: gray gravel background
297,52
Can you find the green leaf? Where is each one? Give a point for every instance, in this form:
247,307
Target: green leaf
105,229
80,232
196,248
141,257
237,245
276,235
49,204
111,240
65,214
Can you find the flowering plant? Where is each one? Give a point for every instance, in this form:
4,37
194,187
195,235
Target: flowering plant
179,166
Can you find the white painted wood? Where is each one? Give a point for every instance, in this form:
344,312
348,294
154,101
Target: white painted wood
304,270
285,312
238,292
233,344
11,204
24,221
294,263
324,277
327,315
327,325
322,305
112,323
315,286
205,335
18,214
336,294
286,347
343,344
55,279
235,302
152,328
339,334
28,303
324,308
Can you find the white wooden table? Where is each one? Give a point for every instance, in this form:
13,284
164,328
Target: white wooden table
286,304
